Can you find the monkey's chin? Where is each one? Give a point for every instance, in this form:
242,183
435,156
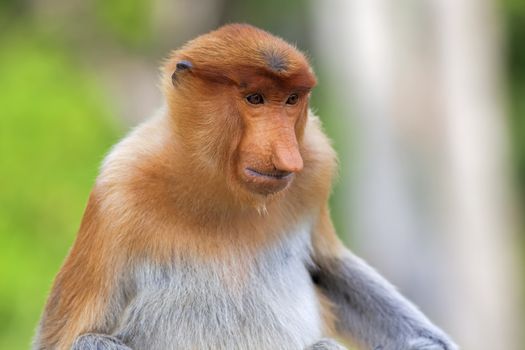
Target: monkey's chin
266,183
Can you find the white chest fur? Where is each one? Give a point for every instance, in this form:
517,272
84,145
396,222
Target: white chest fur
209,305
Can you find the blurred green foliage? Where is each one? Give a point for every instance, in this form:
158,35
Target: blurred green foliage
129,21
514,11
54,130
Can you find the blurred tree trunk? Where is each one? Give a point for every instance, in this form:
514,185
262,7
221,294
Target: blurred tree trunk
431,201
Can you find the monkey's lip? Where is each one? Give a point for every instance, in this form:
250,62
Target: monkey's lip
266,182
269,175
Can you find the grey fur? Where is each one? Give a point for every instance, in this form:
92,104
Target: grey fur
192,304
198,305
275,60
202,305
93,341
372,311
326,344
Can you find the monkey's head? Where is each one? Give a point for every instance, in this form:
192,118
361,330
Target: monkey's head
239,100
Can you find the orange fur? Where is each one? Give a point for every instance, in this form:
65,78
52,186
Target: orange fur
325,241
81,289
173,187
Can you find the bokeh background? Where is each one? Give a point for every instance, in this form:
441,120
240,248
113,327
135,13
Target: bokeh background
425,102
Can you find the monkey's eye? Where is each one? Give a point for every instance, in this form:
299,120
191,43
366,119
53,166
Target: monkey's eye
292,99
255,99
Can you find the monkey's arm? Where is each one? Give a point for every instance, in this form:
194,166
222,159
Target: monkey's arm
86,297
367,307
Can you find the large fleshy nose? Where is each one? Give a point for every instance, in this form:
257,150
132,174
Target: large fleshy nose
286,156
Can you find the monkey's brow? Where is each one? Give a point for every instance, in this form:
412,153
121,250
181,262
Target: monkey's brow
213,75
243,77
301,89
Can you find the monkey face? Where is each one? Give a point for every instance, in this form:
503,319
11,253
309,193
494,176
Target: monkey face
240,99
269,154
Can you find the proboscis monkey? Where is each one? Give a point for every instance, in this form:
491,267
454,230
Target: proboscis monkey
209,228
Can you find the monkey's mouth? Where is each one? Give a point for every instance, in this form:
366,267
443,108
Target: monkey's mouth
266,182
270,175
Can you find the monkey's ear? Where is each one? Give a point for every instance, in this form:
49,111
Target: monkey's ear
181,67
184,65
